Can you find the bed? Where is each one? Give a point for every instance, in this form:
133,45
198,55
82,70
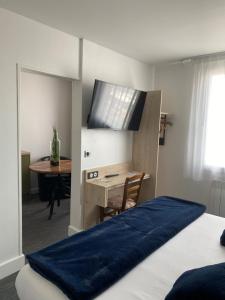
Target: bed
195,246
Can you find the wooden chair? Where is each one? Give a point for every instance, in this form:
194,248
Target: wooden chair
130,197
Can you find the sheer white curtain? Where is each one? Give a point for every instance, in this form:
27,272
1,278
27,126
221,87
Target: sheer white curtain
206,141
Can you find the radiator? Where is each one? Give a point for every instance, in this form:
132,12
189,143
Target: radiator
217,198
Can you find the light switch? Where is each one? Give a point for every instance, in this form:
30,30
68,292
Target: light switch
86,153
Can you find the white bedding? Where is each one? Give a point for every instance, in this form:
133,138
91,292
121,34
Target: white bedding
195,246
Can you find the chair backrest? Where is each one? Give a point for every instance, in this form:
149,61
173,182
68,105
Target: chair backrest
132,188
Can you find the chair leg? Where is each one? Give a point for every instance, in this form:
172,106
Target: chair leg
101,214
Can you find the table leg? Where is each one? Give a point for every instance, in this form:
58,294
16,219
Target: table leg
56,190
51,209
60,189
51,202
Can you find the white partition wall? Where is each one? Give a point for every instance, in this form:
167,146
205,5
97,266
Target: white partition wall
106,146
31,45
38,47
107,65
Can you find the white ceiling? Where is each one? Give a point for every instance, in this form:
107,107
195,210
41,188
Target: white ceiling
149,30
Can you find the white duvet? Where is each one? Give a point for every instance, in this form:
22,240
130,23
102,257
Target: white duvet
195,246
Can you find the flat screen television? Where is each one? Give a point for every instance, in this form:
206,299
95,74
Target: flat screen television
115,107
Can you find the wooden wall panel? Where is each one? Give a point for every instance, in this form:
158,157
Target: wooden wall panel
146,143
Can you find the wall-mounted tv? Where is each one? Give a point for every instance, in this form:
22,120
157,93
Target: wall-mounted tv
115,107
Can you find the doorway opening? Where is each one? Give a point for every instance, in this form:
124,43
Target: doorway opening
45,102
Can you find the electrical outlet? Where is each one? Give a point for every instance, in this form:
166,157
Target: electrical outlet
92,175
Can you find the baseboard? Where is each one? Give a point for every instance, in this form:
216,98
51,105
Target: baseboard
72,230
11,266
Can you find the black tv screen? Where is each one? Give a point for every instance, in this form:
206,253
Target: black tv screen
116,107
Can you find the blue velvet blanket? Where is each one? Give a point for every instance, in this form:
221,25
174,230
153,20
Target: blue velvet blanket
86,264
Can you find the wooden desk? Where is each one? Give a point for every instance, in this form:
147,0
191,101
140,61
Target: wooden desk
97,191
101,187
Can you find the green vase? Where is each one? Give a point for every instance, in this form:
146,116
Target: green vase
55,149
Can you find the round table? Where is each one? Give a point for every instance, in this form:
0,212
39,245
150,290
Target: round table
44,167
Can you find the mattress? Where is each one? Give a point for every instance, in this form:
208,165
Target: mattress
195,246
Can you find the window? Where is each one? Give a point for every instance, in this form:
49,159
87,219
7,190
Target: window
215,125
206,140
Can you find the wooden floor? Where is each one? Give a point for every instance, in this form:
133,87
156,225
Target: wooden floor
38,232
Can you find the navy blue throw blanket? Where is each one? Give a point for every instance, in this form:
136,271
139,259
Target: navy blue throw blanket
86,264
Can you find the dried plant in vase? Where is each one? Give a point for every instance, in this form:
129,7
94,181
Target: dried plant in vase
55,149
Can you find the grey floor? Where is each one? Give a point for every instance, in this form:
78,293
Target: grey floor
38,232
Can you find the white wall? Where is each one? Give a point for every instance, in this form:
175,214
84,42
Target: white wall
46,102
39,47
106,146
175,81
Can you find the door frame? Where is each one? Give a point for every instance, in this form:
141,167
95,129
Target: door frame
19,69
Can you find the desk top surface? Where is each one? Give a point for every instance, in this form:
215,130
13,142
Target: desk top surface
44,167
116,181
